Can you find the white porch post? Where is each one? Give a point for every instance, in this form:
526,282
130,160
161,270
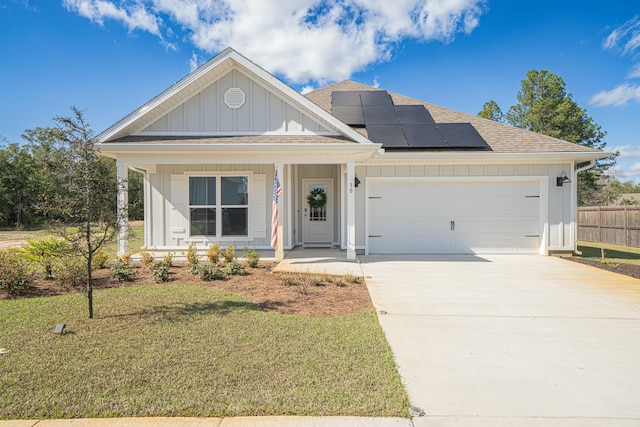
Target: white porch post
351,212
285,189
122,208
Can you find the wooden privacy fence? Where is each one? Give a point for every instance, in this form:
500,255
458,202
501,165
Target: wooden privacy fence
615,225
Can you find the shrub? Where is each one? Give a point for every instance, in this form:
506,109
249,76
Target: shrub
122,271
71,271
194,269
299,281
235,268
13,273
230,253
99,260
126,258
192,255
350,278
160,272
168,259
147,258
43,251
251,256
213,254
208,272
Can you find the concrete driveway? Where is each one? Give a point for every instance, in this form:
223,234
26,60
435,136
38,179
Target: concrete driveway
511,340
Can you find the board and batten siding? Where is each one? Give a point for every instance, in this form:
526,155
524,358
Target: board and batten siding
169,213
559,198
262,112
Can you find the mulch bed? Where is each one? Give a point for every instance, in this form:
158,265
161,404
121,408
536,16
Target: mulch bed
626,269
331,296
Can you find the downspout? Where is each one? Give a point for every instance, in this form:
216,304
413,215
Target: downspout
574,204
591,164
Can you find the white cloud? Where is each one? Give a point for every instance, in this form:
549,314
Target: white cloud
303,40
626,37
635,72
626,40
308,88
618,96
376,82
193,62
134,17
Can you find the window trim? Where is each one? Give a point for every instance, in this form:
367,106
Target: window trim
219,206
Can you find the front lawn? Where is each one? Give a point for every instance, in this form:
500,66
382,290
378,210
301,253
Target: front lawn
613,254
190,350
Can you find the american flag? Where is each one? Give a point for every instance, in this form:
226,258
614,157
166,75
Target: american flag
277,190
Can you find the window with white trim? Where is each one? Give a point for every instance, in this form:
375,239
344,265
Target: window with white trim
219,206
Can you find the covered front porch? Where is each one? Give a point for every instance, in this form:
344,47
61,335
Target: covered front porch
170,205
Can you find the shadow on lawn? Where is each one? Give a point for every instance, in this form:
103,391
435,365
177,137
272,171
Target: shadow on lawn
179,312
595,252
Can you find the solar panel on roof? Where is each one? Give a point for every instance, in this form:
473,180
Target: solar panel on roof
345,98
424,135
376,97
390,136
349,114
379,114
462,135
413,114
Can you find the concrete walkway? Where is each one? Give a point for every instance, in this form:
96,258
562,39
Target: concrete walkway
511,340
319,260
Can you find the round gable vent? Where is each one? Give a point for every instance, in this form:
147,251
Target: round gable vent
234,98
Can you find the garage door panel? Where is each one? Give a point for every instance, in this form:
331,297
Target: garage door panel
489,217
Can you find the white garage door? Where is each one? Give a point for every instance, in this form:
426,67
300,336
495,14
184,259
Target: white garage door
454,217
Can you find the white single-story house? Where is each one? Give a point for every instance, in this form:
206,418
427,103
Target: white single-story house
386,173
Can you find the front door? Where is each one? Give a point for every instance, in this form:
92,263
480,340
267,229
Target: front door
317,215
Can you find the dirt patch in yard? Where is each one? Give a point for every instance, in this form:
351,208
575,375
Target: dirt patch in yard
317,296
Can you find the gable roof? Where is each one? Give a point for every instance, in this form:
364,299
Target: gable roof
500,137
203,76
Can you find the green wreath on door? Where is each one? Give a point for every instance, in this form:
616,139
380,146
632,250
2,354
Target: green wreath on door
317,198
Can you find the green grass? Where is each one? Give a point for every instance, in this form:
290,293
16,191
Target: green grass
613,254
136,239
182,350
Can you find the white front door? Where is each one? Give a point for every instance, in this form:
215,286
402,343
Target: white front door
317,222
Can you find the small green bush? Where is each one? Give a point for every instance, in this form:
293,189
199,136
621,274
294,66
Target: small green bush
126,258
70,270
43,251
251,256
147,258
234,268
160,272
168,259
99,260
213,254
123,272
192,255
230,253
208,272
14,273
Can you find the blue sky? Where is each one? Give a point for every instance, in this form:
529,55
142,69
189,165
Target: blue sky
110,57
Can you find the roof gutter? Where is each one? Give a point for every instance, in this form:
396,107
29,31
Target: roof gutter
591,164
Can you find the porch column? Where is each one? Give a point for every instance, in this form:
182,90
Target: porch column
280,244
122,208
351,212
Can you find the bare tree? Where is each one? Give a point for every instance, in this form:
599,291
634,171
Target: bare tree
87,212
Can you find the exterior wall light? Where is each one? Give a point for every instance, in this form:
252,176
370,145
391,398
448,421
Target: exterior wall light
562,179
357,182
